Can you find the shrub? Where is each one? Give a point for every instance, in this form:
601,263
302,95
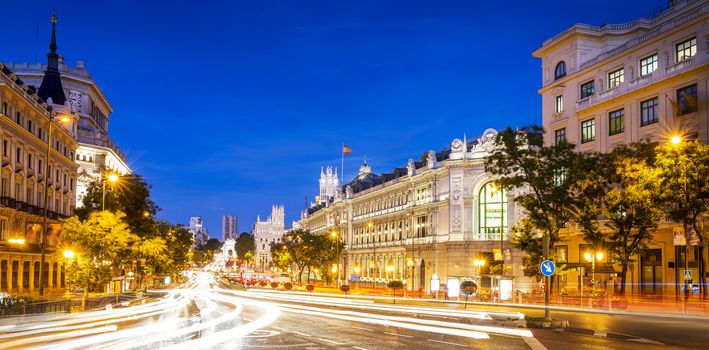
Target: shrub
310,288
274,285
395,284
263,283
288,285
345,288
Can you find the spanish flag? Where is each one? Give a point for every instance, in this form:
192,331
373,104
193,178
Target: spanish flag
346,150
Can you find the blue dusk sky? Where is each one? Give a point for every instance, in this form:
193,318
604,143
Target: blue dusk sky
228,107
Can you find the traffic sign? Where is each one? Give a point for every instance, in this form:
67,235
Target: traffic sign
547,268
687,275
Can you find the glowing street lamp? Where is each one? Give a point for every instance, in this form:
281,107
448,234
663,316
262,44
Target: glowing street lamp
676,139
357,269
69,254
592,258
18,241
112,178
479,263
389,269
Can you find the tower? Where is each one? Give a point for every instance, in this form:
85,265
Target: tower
329,183
51,87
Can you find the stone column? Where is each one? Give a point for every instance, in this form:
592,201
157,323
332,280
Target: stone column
9,275
50,269
31,275
20,275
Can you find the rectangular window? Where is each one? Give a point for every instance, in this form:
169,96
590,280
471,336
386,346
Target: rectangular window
18,118
5,187
4,148
29,161
587,89
559,136
559,104
5,108
616,122
648,112
648,64
39,134
18,155
615,78
588,130
39,166
687,99
29,126
3,230
686,49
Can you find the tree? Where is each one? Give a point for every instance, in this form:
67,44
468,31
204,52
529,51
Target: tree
245,246
617,210
101,242
684,190
542,178
301,248
130,195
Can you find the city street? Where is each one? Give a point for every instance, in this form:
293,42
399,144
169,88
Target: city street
232,319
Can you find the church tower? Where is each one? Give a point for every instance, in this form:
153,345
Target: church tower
329,183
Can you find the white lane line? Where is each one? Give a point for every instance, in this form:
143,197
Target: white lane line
279,328
358,348
362,328
331,341
398,335
600,334
534,343
445,342
303,334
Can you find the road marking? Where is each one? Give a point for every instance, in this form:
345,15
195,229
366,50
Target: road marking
358,348
600,334
279,328
303,334
362,328
398,335
331,341
445,342
646,341
534,343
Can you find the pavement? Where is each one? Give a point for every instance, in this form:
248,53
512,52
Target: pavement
208,314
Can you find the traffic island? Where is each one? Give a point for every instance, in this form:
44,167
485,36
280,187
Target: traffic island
541,322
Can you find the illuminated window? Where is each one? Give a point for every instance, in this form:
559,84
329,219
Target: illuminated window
615,78
616,122
559,104
587,89
588,130
648,112
686,49
648,64
559,136
492,210
560,70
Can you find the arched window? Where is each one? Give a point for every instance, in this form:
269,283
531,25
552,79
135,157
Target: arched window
492,209
560,70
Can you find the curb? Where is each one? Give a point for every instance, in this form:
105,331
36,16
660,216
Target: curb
610,335
556,324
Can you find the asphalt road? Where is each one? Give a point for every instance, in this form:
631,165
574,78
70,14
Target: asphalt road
207,315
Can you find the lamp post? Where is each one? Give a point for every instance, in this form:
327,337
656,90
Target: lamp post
676,140
334,235
112,178
592,258
42,244
357,269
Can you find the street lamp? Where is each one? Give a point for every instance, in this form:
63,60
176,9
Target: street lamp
676,139
68,254
479,263
18,241
389,269
112,178
592,258
64,119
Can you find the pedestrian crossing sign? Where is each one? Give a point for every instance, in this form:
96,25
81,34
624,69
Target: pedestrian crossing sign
687,275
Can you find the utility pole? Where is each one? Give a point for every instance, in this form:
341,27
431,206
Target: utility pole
547,314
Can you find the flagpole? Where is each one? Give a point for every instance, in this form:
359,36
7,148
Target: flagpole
342,168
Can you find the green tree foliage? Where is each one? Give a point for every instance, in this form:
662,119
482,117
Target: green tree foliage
542,179
130,195
245,246
101,242
301,248
684,190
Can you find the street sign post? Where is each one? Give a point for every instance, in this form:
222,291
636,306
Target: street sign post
547,268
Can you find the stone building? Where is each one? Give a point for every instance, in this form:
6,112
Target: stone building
28,115
603,86
98,154
230,226
426,223
265,233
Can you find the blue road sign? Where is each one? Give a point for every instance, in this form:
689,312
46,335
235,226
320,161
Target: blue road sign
547,268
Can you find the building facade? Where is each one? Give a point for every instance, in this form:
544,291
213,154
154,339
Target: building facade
199,233
229,227
427,223
81,98
265,233
622,83
25,120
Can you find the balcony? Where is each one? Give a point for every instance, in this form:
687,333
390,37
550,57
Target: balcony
640,82
10,202
483,236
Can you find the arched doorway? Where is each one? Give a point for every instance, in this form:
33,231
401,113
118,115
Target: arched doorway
422,276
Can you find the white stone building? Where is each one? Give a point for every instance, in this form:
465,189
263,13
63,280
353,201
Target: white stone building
199,232
425,223
604,86
265,233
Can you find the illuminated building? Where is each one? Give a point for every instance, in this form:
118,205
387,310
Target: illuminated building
229,227
199,233
265,233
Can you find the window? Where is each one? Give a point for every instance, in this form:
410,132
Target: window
587,89
30,126
686,49
615,78
5,188
588,130
562,253
560,70
18,155
687,99
3,230
4,148
39,166
648,64
616,122
18,118
559,136
5,108
39,134
421,226
648,112
559,104
559,177
29,161
492,209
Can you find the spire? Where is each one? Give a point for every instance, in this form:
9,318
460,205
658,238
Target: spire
51,86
